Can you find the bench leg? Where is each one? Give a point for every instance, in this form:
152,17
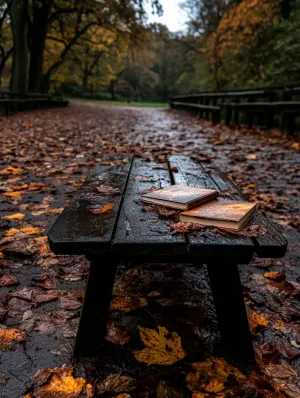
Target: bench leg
231,312
95,308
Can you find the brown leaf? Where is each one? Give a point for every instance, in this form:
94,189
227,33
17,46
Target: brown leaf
183,227
69,302
101,210
106,190
116,334
278,276
116,384
127,304
7,279
164,391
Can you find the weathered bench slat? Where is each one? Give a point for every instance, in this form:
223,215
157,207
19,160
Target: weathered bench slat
78,230
145,234
212,244
272,244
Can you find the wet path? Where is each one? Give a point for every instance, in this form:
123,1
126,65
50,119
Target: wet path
45,156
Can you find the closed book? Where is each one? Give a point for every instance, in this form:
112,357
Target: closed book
228,214
180,197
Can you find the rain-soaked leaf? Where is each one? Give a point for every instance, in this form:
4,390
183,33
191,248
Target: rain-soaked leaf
16,216
212,376
164,391
59,382
106,190
101,210
116,334
183,227
116,384
127,304
10,337
278,276
10,171
7,279
256,321
162,347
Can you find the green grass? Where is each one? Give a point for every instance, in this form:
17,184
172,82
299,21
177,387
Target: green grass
123,103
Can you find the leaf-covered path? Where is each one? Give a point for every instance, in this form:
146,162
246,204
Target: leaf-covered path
44,157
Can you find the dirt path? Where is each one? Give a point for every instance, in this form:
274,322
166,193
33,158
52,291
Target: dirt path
44,157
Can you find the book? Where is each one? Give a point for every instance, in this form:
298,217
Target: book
228,214
180,197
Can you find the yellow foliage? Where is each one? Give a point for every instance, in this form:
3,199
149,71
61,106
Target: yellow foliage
8,337
10,171
162,347
238,29
17,216
211,376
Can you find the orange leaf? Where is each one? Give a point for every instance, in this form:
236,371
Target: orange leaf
17,216
10,170
8,337
12,194
102,209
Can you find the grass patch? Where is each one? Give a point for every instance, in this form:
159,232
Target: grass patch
123,103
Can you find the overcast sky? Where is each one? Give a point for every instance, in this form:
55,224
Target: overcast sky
173,17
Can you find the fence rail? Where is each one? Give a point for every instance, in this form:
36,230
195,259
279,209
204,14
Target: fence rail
279,106
11,102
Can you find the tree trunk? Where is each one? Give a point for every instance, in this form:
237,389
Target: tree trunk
40,16
113,89
19,23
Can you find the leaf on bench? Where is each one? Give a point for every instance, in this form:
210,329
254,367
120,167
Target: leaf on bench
101,210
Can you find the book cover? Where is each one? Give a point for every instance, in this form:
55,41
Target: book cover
221,213
180,196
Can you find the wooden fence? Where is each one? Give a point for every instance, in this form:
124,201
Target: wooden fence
11,102
279,106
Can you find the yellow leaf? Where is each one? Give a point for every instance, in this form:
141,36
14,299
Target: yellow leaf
8,337
62,383
31,230
17,216
127,304
10,170
11,232
256,321
162,347
251,157
211,375
12,194
102,209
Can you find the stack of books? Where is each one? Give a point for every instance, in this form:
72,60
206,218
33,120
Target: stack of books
202,206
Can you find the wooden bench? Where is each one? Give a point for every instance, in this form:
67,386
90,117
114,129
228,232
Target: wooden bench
126,233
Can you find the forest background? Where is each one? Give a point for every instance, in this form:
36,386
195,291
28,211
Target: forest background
107,49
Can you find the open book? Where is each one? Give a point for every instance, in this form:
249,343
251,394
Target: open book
180,197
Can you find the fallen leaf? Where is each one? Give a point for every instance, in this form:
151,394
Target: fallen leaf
212,375
9,337
162,347
107,190
183,227
102,209
279,276
12,194
17,216
256,321
164,391
59,382
116,334
31,230
10,171
7,279
127,304
116,384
